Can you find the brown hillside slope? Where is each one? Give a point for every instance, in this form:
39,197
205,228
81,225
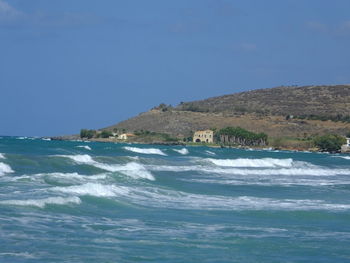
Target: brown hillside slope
258,111
316,100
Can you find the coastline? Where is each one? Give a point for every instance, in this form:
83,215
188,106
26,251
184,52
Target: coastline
189,144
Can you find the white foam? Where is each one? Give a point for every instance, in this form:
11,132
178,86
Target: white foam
144,150
5,168
304,169
46,139
165,198
182,151
2,156
21,138
93,189
80,158
132,169
84,146
244,162
41,203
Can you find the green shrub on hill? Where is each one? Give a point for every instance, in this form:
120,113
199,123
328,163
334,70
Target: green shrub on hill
238,135
85,133
329,142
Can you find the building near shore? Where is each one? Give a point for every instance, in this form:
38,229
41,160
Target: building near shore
125,136
346,147
206,136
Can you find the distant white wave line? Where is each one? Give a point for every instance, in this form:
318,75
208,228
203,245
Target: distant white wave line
41,203
132,169
84,146
144,150
316,171
210,152
245,162
5,168
65,176
182,151
157,197
270,181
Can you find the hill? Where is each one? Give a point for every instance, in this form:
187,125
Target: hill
282,111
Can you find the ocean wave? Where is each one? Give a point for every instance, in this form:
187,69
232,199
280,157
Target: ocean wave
244,162
343,157
84,146
131,169
182,151
2,156
307,169
41,203
5,168
145,151
93,189
166,198
210,152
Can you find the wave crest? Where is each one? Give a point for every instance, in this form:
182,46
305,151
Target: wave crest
41,203
245,162
145,150
5,168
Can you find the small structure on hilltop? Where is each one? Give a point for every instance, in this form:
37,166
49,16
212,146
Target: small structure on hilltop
204,136
125,136
345,148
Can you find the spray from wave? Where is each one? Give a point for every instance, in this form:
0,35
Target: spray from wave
5,168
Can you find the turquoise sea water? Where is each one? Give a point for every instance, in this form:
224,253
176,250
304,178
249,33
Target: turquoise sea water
66,201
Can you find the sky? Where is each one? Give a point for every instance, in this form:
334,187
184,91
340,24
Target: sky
67,65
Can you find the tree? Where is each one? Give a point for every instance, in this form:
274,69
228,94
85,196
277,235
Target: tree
106,134
85,133
329,142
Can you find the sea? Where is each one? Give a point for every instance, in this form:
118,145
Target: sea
76,201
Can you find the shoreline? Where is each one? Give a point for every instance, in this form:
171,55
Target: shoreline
191,144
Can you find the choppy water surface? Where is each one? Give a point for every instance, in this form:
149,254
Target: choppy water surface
104,202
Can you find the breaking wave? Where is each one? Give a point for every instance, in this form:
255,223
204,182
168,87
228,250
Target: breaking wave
244,162
41,203
84,146
131,169
2,156
93,189
145,151
5,168
182,151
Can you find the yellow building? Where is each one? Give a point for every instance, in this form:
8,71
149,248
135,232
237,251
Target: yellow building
203,136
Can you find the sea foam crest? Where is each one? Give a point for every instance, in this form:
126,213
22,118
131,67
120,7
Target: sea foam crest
132,169
2,156
5,168
93,189
84,146
245,162
182,151
145,151
41,203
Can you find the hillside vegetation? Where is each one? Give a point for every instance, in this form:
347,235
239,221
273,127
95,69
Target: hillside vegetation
279,112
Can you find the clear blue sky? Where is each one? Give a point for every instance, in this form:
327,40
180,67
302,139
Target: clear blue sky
67,65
